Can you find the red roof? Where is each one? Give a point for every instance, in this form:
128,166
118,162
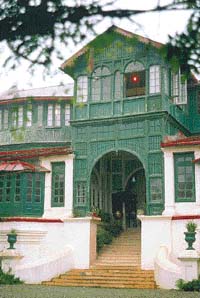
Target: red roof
186,141
36,152
20,166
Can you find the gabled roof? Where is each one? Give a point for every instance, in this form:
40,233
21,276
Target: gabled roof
118,30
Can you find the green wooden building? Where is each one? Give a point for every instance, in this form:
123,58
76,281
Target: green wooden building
126,99
125,139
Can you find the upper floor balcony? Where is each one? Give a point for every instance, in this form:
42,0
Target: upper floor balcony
35,116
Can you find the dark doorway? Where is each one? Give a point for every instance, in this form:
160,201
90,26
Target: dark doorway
124,204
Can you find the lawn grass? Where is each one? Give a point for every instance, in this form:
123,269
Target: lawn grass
36,291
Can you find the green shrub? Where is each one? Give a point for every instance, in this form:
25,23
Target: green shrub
103,237
107,229
188,286
8,279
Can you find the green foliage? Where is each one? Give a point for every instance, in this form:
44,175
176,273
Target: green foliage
188,286
107,229
8,279
191,226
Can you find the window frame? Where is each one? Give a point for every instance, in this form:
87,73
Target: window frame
184,165
154,79
53,120
98,80
58,170
135,69
178,88
82,89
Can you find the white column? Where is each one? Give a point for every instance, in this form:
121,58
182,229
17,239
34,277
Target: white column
69,163
169,184
47,189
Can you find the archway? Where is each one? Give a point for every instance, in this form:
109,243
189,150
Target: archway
118,186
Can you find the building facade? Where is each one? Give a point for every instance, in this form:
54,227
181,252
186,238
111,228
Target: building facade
123,140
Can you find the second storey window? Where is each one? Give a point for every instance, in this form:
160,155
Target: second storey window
67,114
17,117
178,88
101,84
53,115
117,85
29,116
134,80
154,79
82,89
3,119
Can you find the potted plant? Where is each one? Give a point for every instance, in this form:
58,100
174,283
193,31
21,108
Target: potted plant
190,234
12,238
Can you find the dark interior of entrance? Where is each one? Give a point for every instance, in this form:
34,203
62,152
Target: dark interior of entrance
118,186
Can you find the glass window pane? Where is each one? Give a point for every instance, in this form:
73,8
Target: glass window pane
29,116
82,89
154,79
67,114
117,90
50,115
40,115
57,115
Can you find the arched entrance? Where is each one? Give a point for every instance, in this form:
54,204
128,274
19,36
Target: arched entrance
118,186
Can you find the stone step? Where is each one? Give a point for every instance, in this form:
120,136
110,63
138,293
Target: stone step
103,285
117,266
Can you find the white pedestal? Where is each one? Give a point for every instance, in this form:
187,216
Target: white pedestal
190,260
9,259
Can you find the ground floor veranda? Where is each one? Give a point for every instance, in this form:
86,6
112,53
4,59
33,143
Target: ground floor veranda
53,238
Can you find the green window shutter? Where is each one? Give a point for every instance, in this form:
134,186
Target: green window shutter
58,184
184,177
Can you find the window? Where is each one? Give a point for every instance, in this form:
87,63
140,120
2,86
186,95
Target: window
184,177
17,117
178,88
117,87
67,114
82,89
101,84
40,115
21,194
54,115
81,193
166,81
58,184
134,80
29,115
156,189
5,119
57,115
154,79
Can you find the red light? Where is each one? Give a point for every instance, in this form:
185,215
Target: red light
135,78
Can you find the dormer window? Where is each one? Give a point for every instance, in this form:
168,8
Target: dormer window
82,89
101,84
134,79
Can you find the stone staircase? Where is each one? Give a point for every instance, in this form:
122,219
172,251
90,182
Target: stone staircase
117,266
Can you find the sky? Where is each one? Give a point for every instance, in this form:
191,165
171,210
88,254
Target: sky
156,26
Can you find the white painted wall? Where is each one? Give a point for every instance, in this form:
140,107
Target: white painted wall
43,244
171,207
67,210
156,231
